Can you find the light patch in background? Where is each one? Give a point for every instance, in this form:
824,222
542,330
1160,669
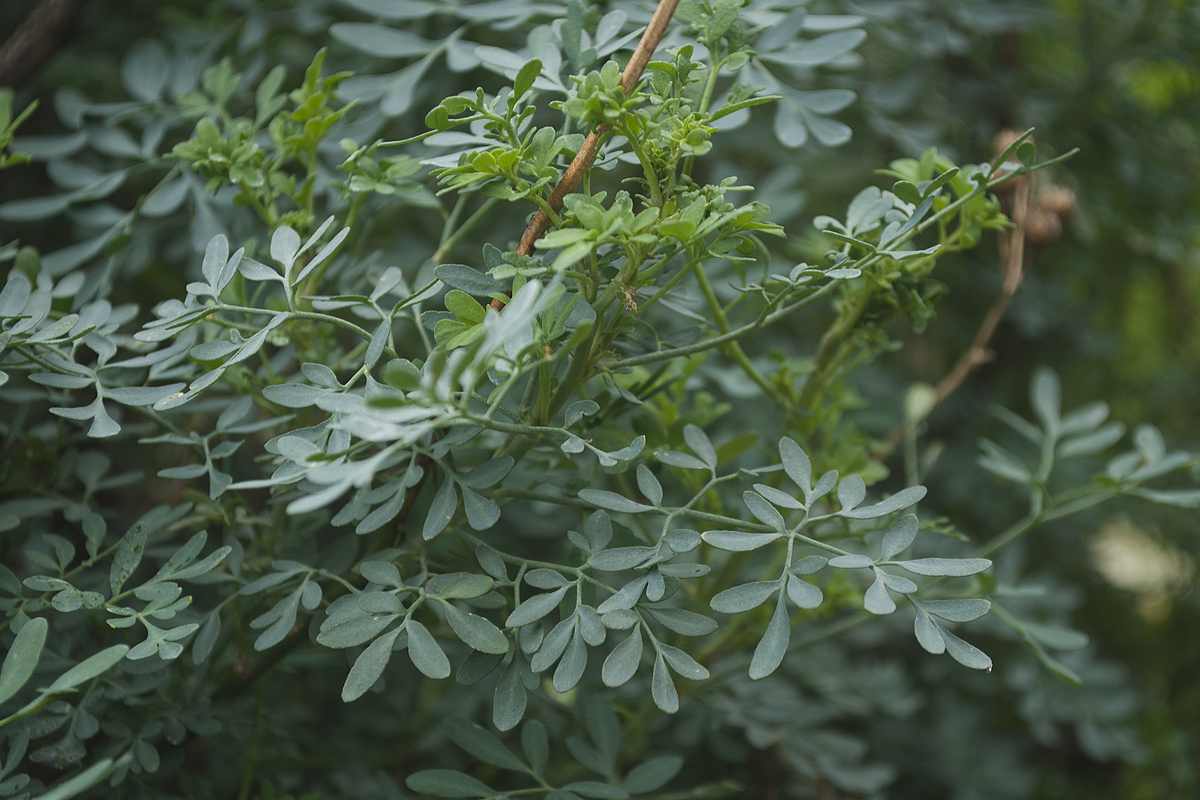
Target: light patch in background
1131,559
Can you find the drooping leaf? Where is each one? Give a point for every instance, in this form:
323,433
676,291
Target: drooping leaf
369,666
425,653
769,652
482,745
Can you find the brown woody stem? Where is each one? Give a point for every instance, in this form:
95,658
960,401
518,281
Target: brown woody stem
587,153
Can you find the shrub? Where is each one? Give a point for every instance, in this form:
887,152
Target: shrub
553,504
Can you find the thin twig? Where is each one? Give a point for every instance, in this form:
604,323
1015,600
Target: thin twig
36,39
587,153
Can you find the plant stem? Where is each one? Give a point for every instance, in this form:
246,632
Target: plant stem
252,756
733,335
732,349
449,242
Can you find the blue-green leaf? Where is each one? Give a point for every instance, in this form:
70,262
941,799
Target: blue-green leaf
612,501
22,657
369,666
900,500
425,653
482,745
476,632
737,541
622,663
949,567
769,653
447,783
744,597
899,537
535,608
662,688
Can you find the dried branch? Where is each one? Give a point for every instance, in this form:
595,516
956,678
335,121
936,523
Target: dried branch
36,39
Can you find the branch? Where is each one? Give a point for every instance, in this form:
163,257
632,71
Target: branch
587,153
36,39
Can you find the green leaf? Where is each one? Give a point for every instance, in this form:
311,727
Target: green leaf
508,704
822,50
285,244
1090,444
426,654
89,668
796,464
1045,394
652,775
622,663
447,783
602,791
680,460
964,653
459,585
383,573
612,501
852,561
963,609
536,744
907,191
778,498
771,649
900,500
649,485
441,511
535,608
379,40
1027,152
701,446
876,600
1052,636
683,621
1057,668
899,537
476,632
22,657
570,668
737,541
662,688
369,666
482,745
949,567
578,410
206,638
763,511
744,597
929,633
851,492
481,512
465,307
466,279
525,77
85,780
803,594
619,558
128,555
255,271
683,664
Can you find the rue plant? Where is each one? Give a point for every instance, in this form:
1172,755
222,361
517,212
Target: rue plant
483,500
